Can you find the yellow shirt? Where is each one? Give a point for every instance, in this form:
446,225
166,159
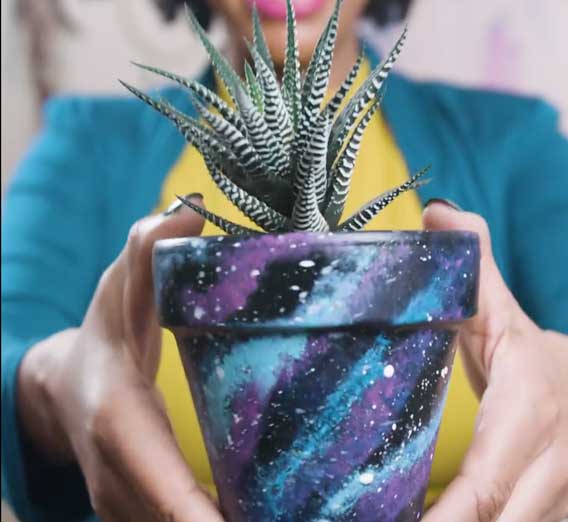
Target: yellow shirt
380,166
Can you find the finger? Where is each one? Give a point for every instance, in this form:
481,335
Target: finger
496,305
141,327
135,440
500,453
541,495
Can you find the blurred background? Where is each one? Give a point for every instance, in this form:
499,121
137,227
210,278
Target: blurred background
82,46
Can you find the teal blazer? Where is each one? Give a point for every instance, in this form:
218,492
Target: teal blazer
99,164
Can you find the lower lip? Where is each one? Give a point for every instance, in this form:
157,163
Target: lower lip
276,9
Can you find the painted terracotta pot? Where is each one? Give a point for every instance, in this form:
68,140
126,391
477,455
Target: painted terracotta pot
319,364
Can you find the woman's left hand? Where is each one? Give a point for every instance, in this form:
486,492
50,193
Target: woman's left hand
516,469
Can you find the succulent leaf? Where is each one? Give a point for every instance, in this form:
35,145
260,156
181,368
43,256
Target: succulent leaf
317,80
343,169
224,224
313,162
276,113
279,156
254,89
259,40
227,74
259,212
233,138
362,217
306,215
258,132
370,88
333,105
291,80
201,91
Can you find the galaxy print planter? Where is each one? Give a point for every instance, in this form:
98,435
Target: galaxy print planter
319,364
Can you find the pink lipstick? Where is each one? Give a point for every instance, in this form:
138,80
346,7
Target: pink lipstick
276,9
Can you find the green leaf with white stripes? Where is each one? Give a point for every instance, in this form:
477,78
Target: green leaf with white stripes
259,40
369,90
369,211
227,74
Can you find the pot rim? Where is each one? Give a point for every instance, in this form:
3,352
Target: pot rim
394,237
443,292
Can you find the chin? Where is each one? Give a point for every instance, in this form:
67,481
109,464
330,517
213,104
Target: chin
308,35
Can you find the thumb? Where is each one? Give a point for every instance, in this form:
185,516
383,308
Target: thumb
141,325
497,308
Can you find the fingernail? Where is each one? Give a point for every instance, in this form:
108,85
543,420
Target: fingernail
447,202
175,207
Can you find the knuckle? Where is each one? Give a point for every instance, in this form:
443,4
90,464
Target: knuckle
100,426
106,277
491,501
135,236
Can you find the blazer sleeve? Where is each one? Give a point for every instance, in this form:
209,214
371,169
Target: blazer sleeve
51,262
538,207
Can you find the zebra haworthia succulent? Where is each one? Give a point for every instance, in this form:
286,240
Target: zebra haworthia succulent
281,155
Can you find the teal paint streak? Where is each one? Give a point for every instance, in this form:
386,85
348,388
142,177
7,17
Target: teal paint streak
344,500
318,434
258,360
331,297
426,303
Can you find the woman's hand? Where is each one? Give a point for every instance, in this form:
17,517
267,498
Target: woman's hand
88,394
517,467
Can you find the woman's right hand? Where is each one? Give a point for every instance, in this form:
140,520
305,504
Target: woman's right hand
88,394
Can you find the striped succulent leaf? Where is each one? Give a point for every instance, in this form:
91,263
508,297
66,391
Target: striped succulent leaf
276,113
369,211
317,80
313,162
255,91
307,215
291,80
334,104
259,134
260,41
227,74
342,171
370,88
256,210
224,224
281,156
201,92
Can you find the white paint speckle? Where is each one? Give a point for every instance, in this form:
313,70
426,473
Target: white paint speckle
295,288
366,478
307,263
198,313
255,273
444,372
388,372
220,373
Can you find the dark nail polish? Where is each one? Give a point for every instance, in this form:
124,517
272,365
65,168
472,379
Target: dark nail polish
446,202
194,195
175,207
